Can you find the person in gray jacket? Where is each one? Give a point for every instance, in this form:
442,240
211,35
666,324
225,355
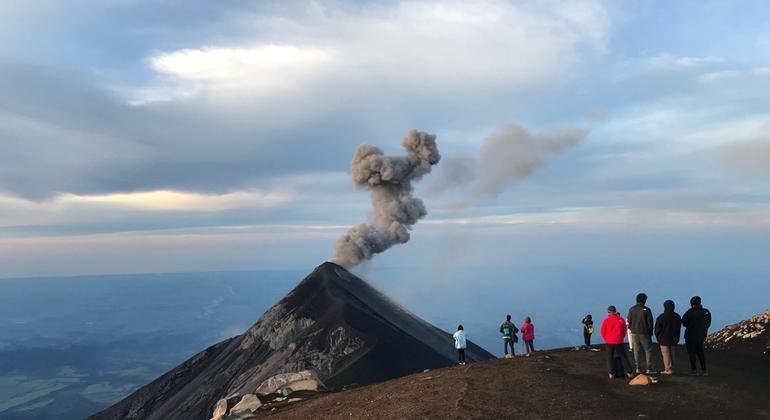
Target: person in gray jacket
641,325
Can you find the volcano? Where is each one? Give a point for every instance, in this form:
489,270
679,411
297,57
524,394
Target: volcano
333,323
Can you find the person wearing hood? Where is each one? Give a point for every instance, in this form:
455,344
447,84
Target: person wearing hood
528,335
696,321
614,332
668,328
460,344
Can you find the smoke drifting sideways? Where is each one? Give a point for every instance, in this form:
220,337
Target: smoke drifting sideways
508,155
395,210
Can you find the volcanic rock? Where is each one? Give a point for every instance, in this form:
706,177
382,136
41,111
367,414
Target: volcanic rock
333,323
248,405
641,379
750,335
286,383
223,407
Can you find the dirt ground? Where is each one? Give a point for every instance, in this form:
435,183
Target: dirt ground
554,384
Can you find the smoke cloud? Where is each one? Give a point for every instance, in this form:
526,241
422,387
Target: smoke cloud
507,156
749,158
395,210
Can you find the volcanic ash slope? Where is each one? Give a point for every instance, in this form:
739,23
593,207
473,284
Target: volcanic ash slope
333,323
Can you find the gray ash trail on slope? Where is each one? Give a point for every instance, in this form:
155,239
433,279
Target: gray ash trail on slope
395,209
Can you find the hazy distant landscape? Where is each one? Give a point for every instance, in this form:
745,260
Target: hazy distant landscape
73,345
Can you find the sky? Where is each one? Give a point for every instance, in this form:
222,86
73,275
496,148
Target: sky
170,135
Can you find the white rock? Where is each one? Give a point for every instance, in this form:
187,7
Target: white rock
223,406
286,383
247,407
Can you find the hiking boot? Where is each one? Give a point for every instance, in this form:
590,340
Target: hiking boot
612,376
667,372
704,373
651,372
630,375
693,373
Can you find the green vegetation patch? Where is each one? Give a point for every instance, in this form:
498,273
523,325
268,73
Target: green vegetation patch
105,393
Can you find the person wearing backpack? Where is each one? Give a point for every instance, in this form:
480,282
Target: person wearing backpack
588,329
668,328
696,321
460,344
528,335
508,330
614,332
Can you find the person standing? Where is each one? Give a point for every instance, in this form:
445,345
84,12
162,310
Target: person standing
528,335
460,344
508,330
696,321
588,330
668,328
641,326
613,332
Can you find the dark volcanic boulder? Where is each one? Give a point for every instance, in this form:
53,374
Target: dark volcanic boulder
332,323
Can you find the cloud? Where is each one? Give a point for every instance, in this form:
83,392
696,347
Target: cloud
674,62
231,112
748,157
425,45
128,211
735,75
182,201
263,69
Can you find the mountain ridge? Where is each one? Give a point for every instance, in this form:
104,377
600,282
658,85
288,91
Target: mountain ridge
332,322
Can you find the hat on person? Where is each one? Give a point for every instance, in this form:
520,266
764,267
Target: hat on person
611,309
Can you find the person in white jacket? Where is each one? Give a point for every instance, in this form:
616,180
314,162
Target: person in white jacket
460,345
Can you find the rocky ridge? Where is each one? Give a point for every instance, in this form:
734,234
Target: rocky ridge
748,329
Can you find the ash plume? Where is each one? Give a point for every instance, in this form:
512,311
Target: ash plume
507,156
395,210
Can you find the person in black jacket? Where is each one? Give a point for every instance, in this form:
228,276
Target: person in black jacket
668,328
697,321
588,329
641,326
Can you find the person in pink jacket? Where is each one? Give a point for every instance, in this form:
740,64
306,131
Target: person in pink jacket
528,335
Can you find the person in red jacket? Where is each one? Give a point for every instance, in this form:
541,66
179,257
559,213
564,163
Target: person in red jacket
528,335
614,332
